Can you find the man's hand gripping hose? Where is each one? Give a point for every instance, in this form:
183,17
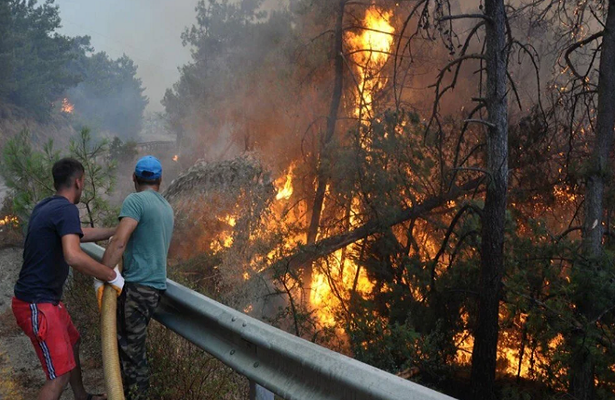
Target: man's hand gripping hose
117,284
107,294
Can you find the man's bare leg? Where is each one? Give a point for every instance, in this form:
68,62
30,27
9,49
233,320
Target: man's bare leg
76,380
53,388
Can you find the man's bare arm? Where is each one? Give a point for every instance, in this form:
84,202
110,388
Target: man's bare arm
96,234
76,258
116,247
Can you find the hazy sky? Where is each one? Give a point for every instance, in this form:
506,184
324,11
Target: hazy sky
148,31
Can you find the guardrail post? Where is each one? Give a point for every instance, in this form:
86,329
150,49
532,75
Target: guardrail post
257,392
252,390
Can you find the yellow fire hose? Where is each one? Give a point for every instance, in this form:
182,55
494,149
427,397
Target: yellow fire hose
110,352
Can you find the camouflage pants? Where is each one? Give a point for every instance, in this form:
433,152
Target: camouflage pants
135,308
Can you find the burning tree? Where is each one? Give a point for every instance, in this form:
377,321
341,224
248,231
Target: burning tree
586,96
493,66
424,230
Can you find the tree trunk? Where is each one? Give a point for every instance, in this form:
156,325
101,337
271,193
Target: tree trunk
605,120
582,369
494,213
325,160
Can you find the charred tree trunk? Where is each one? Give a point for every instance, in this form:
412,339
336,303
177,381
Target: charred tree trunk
605,120
493,217
325,160
582,368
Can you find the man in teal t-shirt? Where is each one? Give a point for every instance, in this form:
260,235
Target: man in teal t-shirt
143,237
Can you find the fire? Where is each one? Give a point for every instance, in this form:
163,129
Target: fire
228,240
225,239
9,220
287,190
340,277
509,349
67,107
344,274
370,51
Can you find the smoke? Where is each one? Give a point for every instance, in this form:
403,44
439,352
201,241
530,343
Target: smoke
148,31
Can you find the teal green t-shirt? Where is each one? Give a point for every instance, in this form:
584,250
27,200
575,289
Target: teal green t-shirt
145,258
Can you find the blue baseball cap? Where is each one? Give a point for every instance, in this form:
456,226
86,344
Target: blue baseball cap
148,168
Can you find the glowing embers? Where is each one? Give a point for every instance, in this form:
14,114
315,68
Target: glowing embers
9,220
564,195
370,50
67,107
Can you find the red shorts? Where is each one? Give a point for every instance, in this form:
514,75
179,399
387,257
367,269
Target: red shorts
52,333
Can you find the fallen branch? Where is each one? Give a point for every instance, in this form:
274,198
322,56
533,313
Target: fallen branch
465,16
575,46
310,253
480,121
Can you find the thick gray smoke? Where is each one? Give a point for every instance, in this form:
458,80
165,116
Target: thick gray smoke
148,31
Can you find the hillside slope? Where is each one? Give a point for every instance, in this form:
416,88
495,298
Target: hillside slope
13,120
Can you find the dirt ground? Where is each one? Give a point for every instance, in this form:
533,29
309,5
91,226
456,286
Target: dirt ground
21,374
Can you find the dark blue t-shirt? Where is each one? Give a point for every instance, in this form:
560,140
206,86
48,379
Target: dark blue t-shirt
44,269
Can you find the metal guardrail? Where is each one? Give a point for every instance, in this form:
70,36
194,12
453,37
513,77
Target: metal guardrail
289,366
159,144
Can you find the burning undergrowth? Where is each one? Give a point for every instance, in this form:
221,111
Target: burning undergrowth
366,234
223,212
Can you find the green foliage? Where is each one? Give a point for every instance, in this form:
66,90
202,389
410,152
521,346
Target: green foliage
421,306
38,67
389,160
232,55
99,178
548,286
34,58
386,346
27,172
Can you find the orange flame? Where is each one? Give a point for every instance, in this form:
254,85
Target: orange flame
345,272
509,352
287,190
370,51
228,240
176,158
67,107
9,220
343,278
225,240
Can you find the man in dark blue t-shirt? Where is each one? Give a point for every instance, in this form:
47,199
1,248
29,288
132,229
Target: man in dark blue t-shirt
52,244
